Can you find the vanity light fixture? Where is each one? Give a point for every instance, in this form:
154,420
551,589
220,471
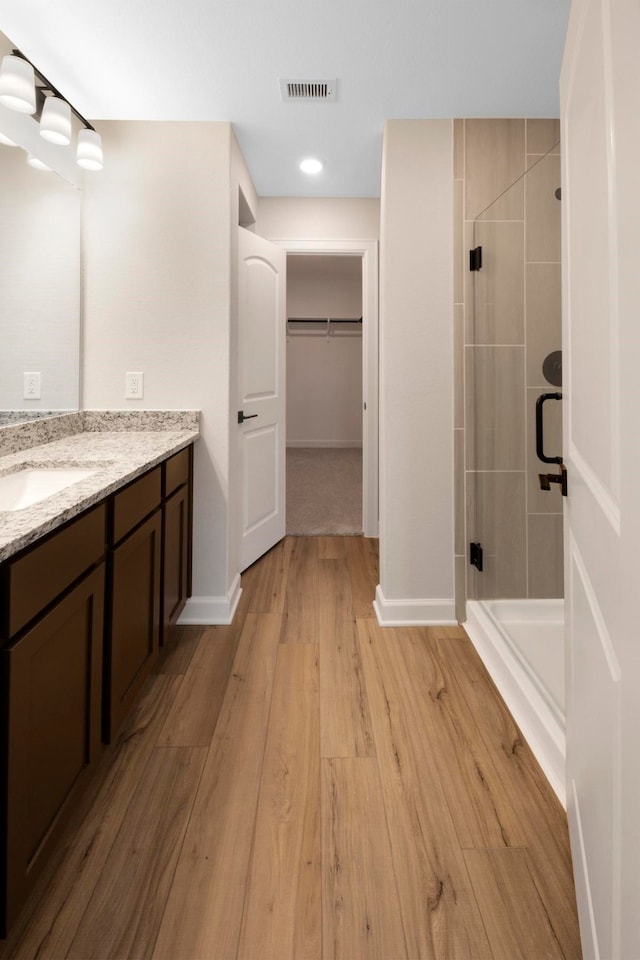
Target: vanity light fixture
24,88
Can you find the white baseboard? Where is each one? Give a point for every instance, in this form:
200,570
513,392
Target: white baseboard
531,710
212,610
413,613
328,444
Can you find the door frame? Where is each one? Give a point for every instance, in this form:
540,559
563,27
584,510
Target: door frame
368,251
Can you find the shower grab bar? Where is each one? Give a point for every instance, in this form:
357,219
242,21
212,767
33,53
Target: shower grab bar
540,402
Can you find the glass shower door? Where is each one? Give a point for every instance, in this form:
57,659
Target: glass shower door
515,327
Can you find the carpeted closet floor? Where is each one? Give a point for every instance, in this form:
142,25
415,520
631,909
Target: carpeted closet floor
324,490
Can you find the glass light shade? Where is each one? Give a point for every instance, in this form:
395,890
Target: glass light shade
6,141
37,164
17,84
55,122
89,151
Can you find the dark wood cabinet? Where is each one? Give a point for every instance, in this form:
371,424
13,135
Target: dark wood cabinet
82,612
51,659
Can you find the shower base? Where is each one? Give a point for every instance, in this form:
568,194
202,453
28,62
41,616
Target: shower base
521,643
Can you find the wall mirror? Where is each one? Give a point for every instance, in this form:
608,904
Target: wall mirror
39,274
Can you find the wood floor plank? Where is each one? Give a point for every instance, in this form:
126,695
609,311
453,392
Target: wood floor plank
345,722
482,810
51,917
301,603
542,817
270,577
515,917
492,723
124,914
192,719
331,548
362,563
282,914
360,909
439,910
177,650
204,909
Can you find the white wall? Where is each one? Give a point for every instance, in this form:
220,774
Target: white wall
416,373
324,373
40,291
293,218
157,256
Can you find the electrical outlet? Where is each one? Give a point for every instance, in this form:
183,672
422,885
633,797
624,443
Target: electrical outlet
31,386
134,386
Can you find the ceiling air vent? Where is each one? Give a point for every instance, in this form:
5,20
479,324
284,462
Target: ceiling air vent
316,90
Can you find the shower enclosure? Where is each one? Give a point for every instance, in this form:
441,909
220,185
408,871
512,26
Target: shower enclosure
515,528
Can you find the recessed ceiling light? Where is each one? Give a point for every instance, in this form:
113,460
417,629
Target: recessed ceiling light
310,165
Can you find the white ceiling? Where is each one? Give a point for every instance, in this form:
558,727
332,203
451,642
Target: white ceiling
222,59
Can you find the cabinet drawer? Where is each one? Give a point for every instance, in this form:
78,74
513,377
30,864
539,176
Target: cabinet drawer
176,472
136,502
40,575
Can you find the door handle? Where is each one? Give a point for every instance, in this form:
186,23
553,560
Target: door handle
540,402
242,416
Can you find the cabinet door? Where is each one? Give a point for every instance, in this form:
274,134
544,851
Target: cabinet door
135,619
54,678
175,557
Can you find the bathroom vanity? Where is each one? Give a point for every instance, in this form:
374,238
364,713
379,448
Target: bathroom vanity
92,578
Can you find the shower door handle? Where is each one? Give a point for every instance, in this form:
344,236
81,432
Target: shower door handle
546,479
540,402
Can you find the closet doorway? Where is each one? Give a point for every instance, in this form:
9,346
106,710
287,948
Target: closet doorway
332,449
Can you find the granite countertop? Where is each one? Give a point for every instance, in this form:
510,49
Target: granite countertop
118,454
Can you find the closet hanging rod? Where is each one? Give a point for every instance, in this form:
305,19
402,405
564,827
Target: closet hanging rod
324,319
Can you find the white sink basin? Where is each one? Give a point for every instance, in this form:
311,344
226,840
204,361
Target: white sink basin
23,488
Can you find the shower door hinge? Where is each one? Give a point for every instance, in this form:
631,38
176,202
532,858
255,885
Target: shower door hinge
475,555
475,258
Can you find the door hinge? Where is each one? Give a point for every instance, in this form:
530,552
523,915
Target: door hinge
475,555
475,258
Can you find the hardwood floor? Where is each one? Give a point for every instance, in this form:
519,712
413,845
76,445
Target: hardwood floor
305,785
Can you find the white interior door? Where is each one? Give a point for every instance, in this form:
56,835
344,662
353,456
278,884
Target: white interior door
261,403
601,323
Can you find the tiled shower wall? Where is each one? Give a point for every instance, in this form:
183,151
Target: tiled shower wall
499,353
